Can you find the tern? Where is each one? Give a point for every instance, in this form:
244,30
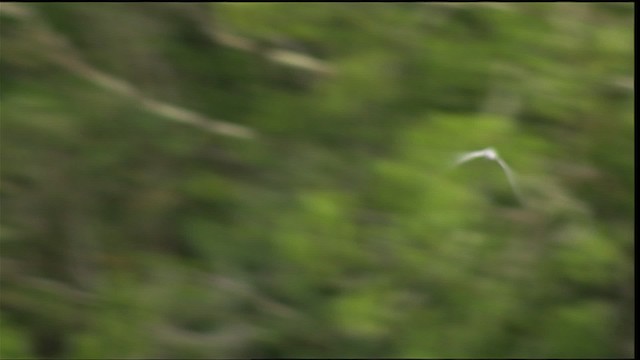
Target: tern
491,154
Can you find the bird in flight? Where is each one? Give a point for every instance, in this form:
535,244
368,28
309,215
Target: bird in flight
491,154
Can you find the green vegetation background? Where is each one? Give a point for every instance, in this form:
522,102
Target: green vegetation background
328,222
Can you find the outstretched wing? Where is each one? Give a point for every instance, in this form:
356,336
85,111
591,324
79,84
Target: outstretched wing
510,177
469,156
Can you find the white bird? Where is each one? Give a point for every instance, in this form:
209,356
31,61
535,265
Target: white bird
491,154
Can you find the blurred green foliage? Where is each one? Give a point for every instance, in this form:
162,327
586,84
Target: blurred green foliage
342,230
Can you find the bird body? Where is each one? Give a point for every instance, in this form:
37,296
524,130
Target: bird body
491,154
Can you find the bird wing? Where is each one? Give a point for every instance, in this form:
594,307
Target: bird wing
510,177
469,156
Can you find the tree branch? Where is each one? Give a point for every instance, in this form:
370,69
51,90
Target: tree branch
282,56
61,52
